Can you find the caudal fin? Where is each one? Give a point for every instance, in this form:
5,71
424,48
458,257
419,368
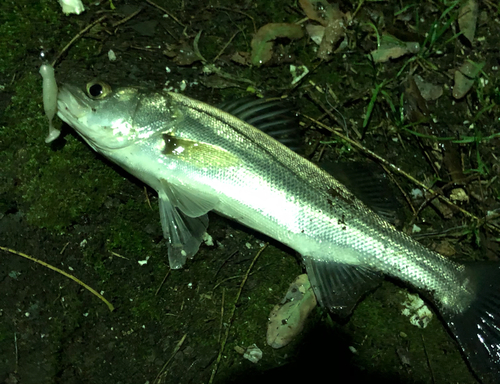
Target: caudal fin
477,329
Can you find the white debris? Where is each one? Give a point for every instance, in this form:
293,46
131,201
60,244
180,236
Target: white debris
415,308
143,262
253,353
183,85
459,195
111,55
417,193
208,239
298,72
72,6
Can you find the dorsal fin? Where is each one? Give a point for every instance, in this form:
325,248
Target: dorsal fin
272,116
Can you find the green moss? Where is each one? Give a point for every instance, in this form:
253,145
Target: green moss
21,21
146,307
125,235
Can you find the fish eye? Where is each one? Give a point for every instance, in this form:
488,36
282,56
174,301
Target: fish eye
98,90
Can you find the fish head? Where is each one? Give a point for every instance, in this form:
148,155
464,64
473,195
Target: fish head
103,116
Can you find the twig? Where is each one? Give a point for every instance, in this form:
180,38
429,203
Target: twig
224,262
428,360
403,192
329,113
110,306
147,197
125,19
176,349
241,12
166,12
221,315
225,46
78,35
163,281
17,354
64,248
118,255
231,315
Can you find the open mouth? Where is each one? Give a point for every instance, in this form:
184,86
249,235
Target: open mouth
70,107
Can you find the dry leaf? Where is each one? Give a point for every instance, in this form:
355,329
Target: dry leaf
334,31
428,91
467,19
391,50
316,32
262,45
242,58
465,77
462,85
287,319
182,53
321,11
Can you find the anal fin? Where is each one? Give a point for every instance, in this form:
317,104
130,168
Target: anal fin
338,287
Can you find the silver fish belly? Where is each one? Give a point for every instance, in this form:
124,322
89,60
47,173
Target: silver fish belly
200,159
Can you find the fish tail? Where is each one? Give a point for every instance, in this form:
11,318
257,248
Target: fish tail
477,328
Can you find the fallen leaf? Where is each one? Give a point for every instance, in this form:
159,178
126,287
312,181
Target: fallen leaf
334,31
445,249
465,77
393,50
262,42
287,319
467,19
316,32
333,25
321,11
462,85
182,53
242,58
428,90
218,82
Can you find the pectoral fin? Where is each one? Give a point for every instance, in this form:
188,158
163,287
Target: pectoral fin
191,203
184,233
184,220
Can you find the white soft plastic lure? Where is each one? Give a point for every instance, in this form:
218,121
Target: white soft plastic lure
49,99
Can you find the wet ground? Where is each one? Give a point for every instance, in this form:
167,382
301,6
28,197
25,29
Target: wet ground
71,208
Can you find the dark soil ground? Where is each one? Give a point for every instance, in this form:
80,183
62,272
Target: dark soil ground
71,208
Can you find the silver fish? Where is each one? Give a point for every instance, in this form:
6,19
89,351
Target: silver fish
200,159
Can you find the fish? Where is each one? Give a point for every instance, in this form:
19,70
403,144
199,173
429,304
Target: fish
199,158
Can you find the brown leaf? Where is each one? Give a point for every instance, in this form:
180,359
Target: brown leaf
334,31
262,42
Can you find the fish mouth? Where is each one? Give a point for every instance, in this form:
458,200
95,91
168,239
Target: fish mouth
71,105
74,110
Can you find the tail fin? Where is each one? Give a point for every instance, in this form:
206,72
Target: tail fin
477,329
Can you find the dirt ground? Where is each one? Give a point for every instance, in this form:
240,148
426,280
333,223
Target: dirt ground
416,83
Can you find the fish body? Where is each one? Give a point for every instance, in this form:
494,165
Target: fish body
200,159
